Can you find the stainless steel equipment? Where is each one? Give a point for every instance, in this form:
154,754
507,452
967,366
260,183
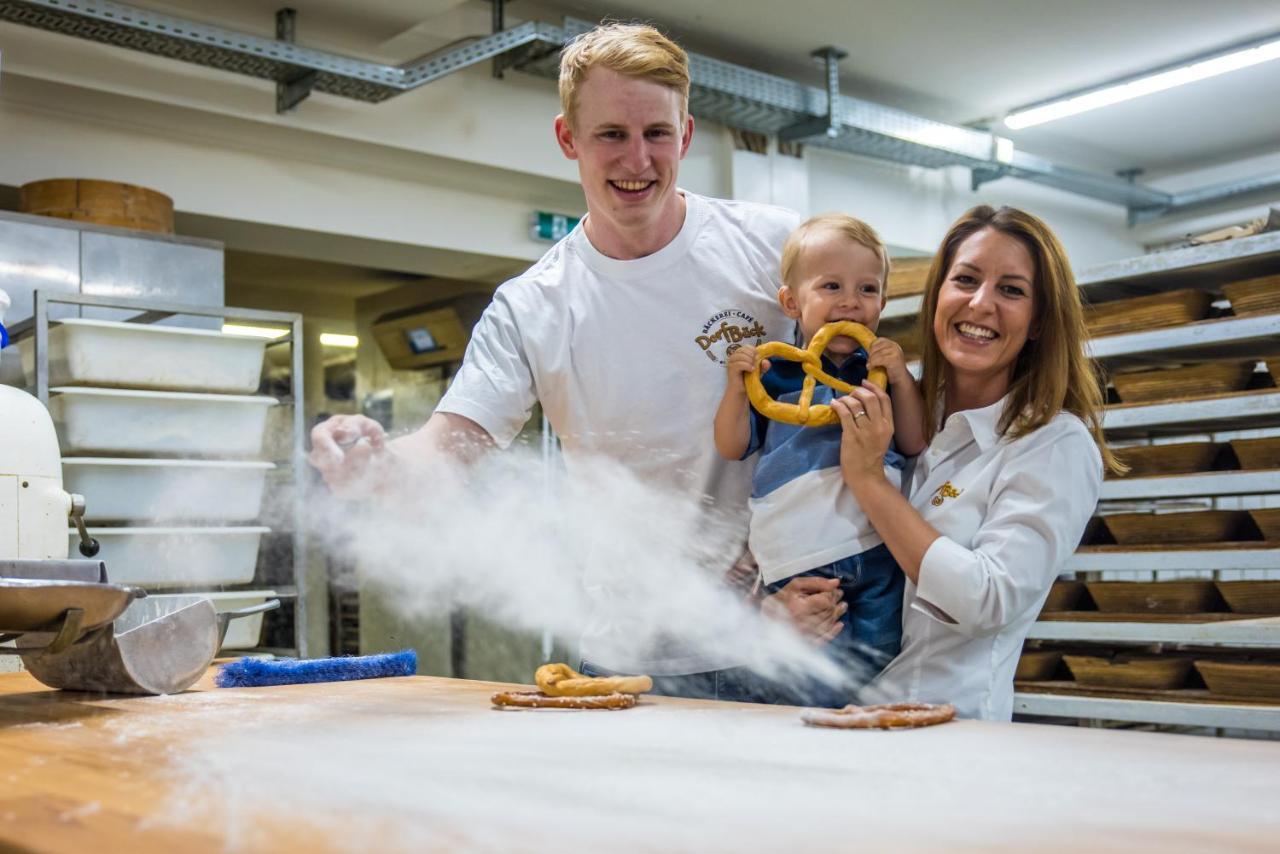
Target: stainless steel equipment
163,656
60,613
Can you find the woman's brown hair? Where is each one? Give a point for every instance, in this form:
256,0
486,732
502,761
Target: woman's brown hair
1052,373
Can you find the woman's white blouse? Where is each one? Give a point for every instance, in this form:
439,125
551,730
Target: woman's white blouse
1010,514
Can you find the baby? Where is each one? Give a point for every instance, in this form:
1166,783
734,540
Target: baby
804,521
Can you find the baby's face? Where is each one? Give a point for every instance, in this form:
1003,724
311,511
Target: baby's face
835,279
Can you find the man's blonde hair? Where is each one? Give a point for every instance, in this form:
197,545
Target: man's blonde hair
632,50
851,228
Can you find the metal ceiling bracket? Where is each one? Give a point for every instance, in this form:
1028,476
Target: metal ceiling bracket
1204,197
121,25
983,174
293,90
1139,215
830,125
499,24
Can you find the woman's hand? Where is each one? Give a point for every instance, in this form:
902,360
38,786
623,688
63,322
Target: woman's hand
812,605
866,417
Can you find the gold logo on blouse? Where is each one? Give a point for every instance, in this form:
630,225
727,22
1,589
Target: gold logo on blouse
942,493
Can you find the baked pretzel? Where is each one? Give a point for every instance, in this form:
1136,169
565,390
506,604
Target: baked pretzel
810,359
886,716
561,680
539,700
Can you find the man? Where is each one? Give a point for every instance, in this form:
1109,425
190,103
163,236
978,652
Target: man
621,330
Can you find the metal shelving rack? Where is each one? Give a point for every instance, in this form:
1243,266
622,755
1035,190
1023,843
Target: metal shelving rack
1217,715
150,311
1242,338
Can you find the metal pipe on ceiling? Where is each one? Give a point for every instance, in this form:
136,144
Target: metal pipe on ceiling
732,94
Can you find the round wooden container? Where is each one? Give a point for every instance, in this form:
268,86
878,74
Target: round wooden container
101,202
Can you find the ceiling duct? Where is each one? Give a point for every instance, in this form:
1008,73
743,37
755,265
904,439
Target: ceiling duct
731,94
268,59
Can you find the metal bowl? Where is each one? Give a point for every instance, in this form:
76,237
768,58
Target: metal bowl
28,605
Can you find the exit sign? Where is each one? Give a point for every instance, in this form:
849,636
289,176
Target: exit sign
552,226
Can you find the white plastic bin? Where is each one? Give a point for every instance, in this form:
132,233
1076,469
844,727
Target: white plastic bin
108,421
137,355
141,490
244,633
176,557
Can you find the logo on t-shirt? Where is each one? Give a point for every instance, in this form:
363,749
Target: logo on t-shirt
728,330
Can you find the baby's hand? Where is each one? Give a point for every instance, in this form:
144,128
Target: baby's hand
743,361
886,354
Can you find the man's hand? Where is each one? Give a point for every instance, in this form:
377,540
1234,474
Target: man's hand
744,574
886,354
346,449
812,605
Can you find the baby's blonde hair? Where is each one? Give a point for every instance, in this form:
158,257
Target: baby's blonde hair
851,228
632,50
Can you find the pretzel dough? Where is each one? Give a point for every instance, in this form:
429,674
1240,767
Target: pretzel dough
802,412
887,716
561,680
539,700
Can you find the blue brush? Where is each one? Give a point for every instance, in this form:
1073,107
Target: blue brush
253,672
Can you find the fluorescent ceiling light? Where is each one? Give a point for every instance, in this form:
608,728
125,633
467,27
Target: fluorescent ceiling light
1147,84
333,339
255,331
1004,150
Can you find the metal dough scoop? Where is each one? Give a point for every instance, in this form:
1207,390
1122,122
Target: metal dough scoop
162,656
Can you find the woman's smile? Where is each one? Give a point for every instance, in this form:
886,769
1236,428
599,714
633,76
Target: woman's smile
974,332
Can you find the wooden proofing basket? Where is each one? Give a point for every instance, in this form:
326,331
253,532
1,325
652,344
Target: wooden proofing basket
1037,665
1156,311
910,341
907,276
1152,673
1176,458
101,202
1251,597
1201,526
1185,596
1268,522
1241,679
1177,383
1257,453
1254,296
1063,596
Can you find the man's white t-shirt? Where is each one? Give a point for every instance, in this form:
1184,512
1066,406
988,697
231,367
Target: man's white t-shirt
627,359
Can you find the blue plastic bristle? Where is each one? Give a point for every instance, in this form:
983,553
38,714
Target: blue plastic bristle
254,672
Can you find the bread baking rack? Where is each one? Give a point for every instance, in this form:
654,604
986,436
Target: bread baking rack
289,471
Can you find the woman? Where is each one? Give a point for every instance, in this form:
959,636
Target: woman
1002,494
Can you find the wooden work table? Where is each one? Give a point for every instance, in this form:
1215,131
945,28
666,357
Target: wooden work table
423,763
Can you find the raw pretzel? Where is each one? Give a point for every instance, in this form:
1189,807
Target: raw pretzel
539,700
887,716
561,680
810,360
